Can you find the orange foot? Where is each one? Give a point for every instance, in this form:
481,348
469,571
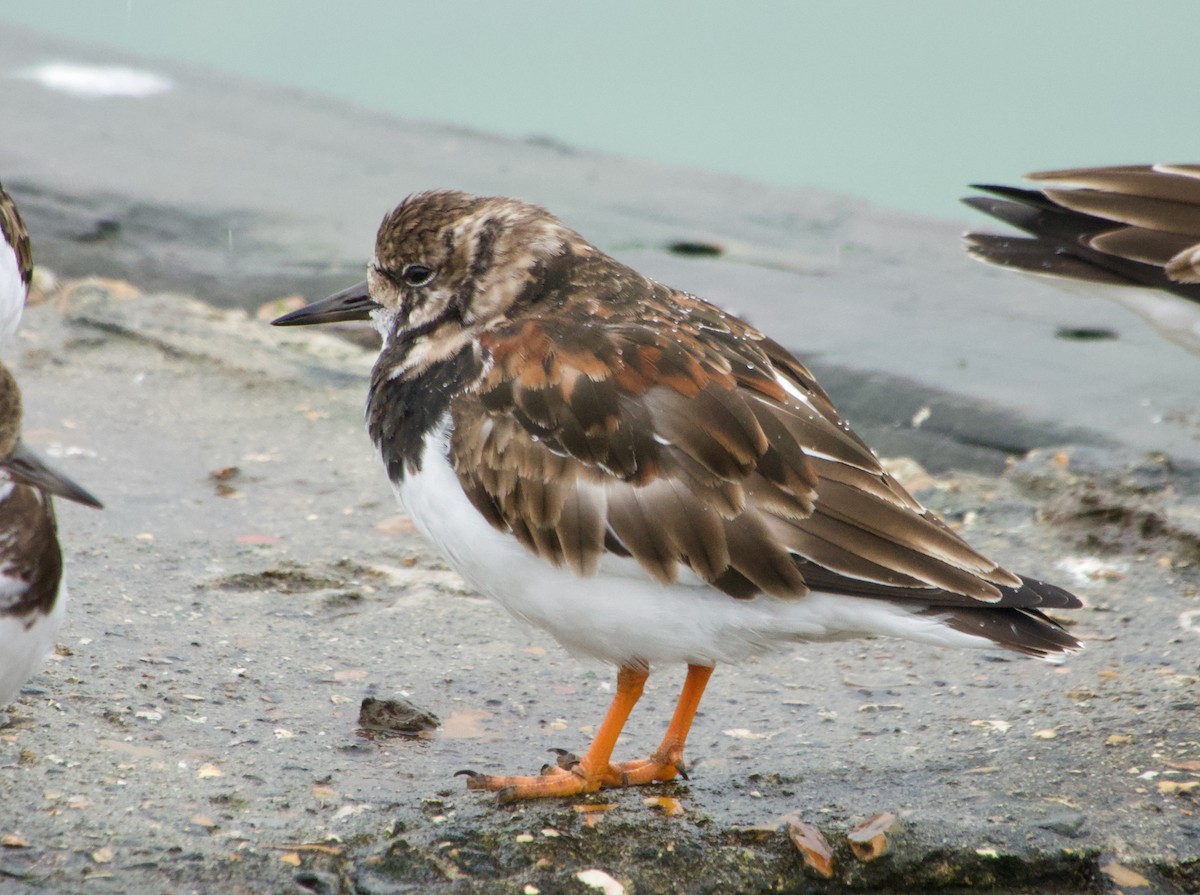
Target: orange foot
569,776
655,769
658,768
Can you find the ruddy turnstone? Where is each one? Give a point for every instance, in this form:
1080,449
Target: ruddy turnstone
644,476
1121,227
32,594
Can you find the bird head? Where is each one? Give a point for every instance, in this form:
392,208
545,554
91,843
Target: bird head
447,266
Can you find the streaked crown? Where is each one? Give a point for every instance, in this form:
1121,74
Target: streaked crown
449,261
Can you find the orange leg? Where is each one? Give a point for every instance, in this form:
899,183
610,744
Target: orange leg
667,762
587,775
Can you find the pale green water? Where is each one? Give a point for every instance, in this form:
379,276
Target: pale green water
901,102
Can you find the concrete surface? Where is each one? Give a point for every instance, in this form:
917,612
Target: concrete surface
251,581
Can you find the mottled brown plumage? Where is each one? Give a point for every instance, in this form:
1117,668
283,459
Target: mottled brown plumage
29,551
674,411
620,430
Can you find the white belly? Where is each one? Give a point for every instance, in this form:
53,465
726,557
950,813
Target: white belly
12,292
621,614
22,649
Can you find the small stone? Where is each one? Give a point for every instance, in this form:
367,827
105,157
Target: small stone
1065,823
1123,876
742,733
325,794
395,717
997,724
1173,787
669,806
598,879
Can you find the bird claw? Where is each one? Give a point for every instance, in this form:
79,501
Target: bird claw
564,759
507,796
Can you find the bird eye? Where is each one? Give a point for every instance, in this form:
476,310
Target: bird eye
417,274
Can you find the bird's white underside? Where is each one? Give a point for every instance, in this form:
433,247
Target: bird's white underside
621,614
1174,317
22,649
12,293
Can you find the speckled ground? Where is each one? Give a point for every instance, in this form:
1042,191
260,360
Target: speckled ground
251,581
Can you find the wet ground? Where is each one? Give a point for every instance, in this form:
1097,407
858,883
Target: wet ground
251,580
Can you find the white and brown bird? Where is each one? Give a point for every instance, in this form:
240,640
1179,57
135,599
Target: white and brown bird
1131,232
642,475
32,593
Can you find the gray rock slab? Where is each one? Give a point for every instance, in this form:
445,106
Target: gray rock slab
251,581
238,192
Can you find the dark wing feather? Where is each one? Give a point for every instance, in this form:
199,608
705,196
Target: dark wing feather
30,533
1136,225
681,437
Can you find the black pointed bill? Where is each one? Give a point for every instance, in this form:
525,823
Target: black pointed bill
24,465
354,303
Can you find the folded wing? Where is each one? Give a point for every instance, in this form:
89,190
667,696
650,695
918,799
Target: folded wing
704,446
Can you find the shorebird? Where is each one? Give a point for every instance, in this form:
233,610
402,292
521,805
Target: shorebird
33,596
640,474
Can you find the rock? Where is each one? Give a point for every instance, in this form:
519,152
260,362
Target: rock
1064,823
394,716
